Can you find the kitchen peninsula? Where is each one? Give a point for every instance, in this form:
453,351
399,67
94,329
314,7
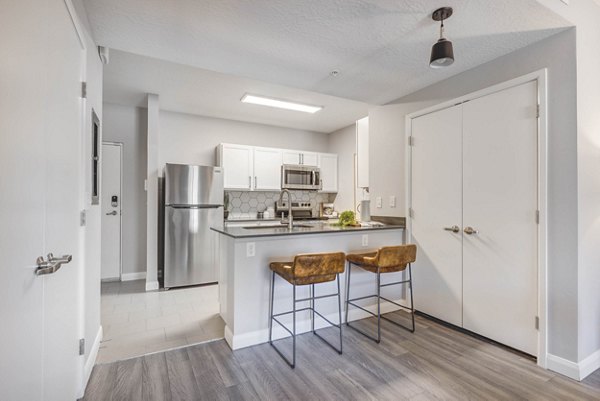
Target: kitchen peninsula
245,254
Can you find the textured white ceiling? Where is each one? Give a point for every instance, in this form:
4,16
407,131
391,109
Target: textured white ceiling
381,47
185,89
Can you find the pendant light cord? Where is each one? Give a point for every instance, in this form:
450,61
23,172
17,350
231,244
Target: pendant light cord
442,29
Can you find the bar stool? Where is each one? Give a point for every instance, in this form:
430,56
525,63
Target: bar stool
388,259
307,269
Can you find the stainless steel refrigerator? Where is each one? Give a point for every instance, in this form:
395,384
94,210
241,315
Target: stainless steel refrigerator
193,204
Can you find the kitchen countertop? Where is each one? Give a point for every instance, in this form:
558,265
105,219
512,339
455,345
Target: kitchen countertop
299,229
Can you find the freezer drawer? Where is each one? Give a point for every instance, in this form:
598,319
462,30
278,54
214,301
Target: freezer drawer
191,246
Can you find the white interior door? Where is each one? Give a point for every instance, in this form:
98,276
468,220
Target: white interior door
111,201
437,205
500,202
40,121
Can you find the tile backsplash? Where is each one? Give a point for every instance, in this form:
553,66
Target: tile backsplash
245,204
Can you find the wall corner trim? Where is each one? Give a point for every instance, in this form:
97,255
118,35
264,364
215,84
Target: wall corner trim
91,361
151,285
577,371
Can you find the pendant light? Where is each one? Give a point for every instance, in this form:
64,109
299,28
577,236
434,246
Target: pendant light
442,54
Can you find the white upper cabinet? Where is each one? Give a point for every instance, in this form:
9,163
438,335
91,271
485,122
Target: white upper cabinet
267,169
237,164
328,163
362,153
298,157
253,168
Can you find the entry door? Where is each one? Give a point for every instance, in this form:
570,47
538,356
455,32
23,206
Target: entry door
437,213
40,183
500,202
111,211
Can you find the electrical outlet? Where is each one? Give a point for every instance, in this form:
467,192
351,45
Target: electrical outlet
250,249
365,240
378,202
392,201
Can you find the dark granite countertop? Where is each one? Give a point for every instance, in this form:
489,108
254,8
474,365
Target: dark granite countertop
299,228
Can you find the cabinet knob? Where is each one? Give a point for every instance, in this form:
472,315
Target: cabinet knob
470,230
454,229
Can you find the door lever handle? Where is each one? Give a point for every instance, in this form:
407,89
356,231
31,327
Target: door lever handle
113,213
51,265
470,230
454,229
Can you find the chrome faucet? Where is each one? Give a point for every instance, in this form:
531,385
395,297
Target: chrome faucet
290,217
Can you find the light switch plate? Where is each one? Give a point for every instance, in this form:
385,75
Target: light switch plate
392,201
378,201
365,240
250,249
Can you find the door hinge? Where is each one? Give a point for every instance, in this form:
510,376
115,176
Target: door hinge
537,217
82,346
411,141
82,218
537,111
537,322
84,90
411,212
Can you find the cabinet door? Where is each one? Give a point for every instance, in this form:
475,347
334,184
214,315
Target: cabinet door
291,157
329,172
267,169
437,205
236,161
500,202
310,159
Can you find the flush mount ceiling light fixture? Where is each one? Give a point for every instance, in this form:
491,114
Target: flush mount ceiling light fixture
442,54
279,103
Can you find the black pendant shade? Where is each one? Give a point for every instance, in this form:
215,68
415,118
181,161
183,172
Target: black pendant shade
442,54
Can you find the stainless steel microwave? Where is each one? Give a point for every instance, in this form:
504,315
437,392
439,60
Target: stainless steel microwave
303,177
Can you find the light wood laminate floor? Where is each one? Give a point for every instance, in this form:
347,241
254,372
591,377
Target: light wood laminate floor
435,363
137,322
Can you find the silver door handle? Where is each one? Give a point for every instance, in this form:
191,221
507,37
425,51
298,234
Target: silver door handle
249,182
255,182
113,213
470,230
51,265
454,229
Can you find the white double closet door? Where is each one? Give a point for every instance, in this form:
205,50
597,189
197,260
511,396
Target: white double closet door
475,165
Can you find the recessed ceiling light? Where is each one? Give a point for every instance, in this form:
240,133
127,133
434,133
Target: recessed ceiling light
280,104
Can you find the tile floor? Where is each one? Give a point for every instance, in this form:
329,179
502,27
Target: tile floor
136,322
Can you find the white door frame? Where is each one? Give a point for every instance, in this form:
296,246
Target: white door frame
541,77
120,145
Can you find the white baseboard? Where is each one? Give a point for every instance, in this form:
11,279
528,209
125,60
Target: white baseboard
589,365
91,360
251,338
151,285
573,370
133,276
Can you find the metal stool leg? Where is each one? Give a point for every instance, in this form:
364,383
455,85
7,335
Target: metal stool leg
271,309
294,331
378,306
312,307
348,291
339,310
412,305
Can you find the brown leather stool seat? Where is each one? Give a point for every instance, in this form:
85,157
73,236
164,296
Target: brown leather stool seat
388,259
307,269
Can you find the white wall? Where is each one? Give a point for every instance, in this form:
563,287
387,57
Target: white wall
343,142
192,139
584,14
556,53
128,125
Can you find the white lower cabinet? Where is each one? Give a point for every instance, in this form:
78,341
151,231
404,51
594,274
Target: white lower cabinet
328,164
474,200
